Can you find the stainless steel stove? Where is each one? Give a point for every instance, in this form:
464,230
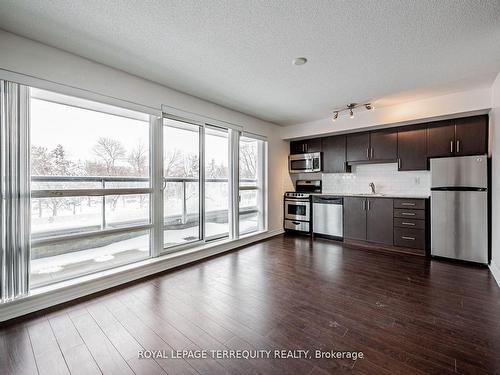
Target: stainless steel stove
298,205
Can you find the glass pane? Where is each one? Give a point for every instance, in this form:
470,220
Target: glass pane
80,142
127,210
249,211
216,182
181,145
68,259
251,175
62,216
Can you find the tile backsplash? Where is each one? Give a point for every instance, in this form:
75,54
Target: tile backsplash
386,177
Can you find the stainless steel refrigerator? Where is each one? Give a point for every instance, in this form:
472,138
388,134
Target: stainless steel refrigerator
459,208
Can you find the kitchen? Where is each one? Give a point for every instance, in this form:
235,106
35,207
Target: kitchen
420,189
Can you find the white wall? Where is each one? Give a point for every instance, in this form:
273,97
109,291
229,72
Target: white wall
435,108
28,57
495,158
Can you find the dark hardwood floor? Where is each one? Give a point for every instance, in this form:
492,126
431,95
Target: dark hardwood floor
408,315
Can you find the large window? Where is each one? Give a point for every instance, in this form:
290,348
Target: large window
90,187
252,177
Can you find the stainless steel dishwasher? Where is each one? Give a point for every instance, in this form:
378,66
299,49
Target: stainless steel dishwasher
328,217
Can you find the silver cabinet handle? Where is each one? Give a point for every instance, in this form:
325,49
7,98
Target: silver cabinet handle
407,213
407,204
371,152
399,163
451,145
458,145
368,204
364,204
368,153
408,238
410,224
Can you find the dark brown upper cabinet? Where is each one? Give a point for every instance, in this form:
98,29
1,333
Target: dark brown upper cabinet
459,137
441,139
305,146
358,147
372,146
471,135
412,148
334,154
355,218
384,144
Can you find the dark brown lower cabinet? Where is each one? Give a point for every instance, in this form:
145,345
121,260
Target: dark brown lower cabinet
379,220
355,218
368,219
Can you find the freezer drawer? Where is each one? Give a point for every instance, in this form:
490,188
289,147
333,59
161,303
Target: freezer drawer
459,225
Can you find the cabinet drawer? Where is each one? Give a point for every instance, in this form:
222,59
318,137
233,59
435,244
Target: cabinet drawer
418,204
302,226
409,214
405,237
409,223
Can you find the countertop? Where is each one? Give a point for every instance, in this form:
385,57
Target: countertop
367,195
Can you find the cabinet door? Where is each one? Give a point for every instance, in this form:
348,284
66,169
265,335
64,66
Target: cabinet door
471,136
297,147
355,218
358,146
441,139
379,220
384,145
412,148
313,145
334,154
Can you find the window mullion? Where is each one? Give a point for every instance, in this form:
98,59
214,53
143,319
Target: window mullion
157,183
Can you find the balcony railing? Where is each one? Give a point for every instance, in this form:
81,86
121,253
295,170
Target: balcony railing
106,186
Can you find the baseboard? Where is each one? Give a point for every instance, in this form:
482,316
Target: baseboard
495,271
84,286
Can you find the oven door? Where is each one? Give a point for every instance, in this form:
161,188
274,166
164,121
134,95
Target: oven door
297,209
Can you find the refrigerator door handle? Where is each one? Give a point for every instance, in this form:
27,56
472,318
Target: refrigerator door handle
451,146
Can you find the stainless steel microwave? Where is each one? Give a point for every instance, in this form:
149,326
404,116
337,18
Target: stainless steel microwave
301,163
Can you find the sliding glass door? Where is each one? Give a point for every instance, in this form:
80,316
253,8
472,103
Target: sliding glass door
182,187
217,203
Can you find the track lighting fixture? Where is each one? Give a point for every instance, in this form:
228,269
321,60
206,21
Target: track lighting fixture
350,107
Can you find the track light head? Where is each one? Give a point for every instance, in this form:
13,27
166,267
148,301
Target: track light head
335,115
368,106
351,113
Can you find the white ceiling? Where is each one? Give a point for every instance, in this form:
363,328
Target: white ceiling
238,53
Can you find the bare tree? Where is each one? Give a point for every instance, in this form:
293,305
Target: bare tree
172,163
110,151
248,160
137,158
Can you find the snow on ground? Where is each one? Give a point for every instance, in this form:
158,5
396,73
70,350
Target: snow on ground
63,266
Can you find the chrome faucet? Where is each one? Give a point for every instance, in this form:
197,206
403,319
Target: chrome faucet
372,186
